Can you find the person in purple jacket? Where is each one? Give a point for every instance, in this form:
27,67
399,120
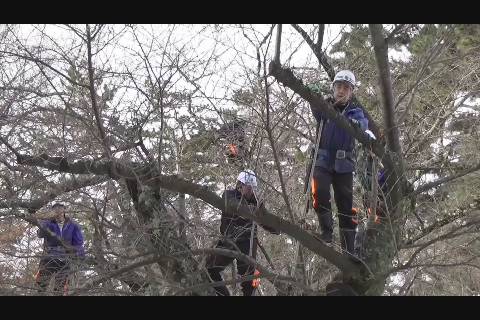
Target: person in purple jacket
63,242
335,162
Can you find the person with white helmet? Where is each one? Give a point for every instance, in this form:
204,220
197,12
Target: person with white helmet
335,162
238,233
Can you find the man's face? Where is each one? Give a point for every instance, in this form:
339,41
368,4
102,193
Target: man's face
342,91
247,191
59,213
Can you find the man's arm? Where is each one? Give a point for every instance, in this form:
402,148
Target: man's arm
316,113
223,220
358,117
42,232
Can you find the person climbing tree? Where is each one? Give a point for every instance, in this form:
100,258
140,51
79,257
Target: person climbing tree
373,195
374,212
334,164
63,242
239,234
368,167
233,135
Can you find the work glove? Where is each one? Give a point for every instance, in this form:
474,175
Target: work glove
355,122
371,135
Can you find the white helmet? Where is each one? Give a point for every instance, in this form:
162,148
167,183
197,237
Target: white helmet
248,178
345,75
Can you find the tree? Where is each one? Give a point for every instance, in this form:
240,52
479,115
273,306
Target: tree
124,124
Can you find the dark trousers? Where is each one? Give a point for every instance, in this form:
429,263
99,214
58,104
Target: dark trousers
217,263
343,191
49,268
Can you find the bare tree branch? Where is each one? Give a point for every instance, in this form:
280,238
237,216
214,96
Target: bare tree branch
317,49
437,225
55,191
173,183
394,32
443,180
93,95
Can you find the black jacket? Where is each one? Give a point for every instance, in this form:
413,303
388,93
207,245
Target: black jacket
236,227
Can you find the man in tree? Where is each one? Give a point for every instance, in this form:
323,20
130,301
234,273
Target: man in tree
233,133
239,234
335,163
63,241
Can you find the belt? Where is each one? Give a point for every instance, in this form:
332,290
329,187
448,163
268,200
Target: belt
339,154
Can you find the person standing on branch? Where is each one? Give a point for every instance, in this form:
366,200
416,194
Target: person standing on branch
238,234
63,242
335,162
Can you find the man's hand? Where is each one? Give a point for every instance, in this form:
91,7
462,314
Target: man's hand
355,122
370,134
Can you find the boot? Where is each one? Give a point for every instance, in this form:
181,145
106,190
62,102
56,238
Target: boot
248,289
326,227
347,241
220,290
359,242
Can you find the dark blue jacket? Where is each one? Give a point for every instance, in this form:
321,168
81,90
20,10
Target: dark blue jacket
235,227
70,234
335,138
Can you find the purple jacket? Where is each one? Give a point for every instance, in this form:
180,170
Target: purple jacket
70,234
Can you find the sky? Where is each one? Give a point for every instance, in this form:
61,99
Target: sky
231,51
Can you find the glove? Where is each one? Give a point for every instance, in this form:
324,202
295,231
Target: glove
314,87
355,122
370,134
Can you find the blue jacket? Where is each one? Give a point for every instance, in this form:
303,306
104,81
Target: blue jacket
70,234
335,138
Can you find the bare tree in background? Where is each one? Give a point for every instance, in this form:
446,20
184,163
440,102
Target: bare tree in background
123,123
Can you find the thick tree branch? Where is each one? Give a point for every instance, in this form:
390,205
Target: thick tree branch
56,190
327,66
381,56
173,183
287,78
321,32
93,95
113,169
261,216
394,171
278,43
